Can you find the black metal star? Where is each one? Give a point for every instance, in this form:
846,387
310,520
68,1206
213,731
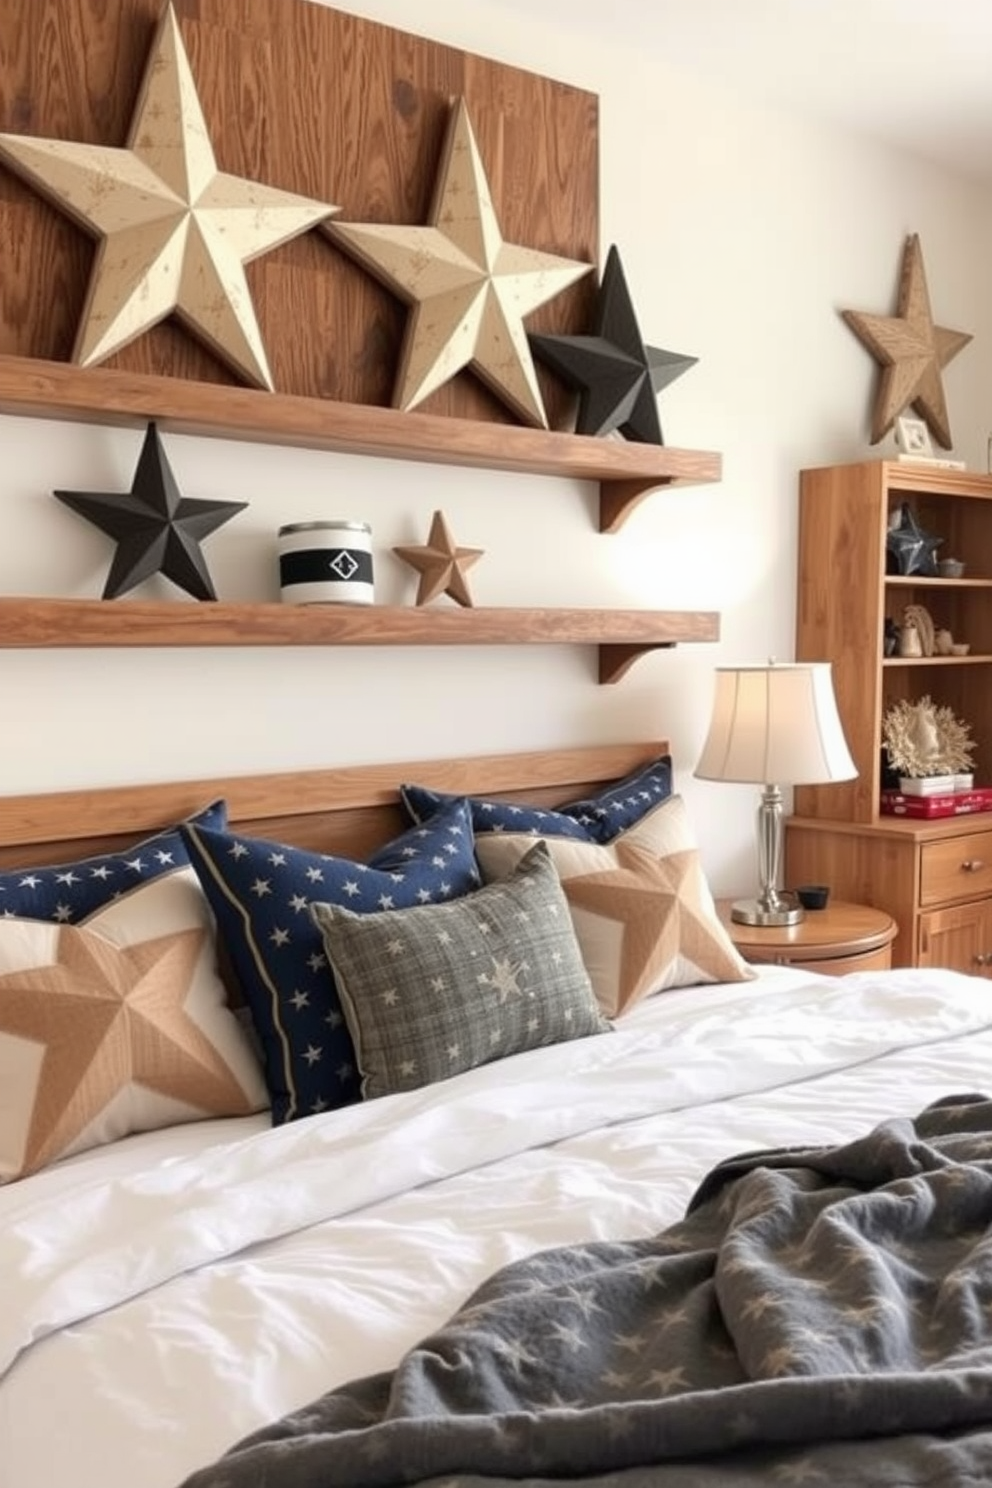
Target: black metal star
910,548
616,375
157,530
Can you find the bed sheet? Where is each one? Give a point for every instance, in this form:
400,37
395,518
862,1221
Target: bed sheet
161,1298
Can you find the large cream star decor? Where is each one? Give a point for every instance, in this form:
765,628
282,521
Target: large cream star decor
911,351
441,564
470,290
174,232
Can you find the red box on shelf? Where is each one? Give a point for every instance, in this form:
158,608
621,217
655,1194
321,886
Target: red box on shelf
957,803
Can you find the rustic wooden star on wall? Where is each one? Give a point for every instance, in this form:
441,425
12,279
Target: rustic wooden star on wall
617,376
157,530
174,231
911,351
470,290
442,566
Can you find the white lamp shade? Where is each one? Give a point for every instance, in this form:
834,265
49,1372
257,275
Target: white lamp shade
776,723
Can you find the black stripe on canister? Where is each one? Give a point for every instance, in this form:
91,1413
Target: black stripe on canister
326,566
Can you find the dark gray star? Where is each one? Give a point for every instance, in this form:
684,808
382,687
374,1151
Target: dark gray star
157,530
617,376
911,550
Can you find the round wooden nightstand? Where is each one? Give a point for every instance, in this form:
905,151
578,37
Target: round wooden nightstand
842,937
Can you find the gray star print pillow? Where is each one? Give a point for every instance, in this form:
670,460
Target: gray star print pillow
437,989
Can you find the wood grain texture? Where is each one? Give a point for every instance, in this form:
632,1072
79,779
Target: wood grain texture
622,635
843,932
845,596
960,937
862,865
107,395
311,100
302,807
882,863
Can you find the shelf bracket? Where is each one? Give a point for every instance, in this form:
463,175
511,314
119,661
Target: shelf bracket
616,660
617,499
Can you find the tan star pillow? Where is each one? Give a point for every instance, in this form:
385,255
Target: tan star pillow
642,910
116,1025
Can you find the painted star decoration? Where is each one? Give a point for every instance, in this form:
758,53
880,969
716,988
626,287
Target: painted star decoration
469,290
157,530
174,231
910,549
617,376
911,351
442,566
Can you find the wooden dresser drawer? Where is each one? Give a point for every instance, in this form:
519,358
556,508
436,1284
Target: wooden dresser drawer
958,868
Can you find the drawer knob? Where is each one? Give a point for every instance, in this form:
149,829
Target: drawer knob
981,960
973,865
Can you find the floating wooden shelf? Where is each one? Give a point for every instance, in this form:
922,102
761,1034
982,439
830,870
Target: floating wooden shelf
626,471
621,635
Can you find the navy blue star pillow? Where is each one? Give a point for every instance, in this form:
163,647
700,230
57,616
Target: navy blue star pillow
260,893
597,818
70,892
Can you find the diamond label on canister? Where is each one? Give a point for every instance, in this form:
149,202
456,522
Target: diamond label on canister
343,564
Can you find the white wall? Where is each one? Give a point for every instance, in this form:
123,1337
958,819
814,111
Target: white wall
743,233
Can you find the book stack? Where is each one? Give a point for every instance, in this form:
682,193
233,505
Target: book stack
929,807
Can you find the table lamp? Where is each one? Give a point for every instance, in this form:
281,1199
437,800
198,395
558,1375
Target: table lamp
774,723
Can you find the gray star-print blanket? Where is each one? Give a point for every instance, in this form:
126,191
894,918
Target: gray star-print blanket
819,1316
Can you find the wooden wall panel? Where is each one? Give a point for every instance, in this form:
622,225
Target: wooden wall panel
312,100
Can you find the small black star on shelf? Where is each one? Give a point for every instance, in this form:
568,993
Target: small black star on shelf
617,376
157,530
908,549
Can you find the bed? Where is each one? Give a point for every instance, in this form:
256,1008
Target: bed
736,1235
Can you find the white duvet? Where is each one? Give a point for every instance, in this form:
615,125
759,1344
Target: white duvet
162,1297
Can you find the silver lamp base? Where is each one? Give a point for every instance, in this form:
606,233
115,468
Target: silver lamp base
772,906
782,909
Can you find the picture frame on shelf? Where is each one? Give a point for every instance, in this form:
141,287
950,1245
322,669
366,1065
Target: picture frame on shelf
913,437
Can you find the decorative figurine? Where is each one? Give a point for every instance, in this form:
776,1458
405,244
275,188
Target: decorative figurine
442,566
156,528
910,549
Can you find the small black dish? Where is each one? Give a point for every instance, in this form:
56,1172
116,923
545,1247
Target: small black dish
813,896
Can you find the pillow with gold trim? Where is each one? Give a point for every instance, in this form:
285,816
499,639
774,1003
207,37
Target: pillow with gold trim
642,909
260,893
116,1025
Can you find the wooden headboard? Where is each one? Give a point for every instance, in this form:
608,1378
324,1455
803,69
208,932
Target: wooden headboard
350,810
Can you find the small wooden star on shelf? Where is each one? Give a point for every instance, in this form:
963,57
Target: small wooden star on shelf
156,528
442,566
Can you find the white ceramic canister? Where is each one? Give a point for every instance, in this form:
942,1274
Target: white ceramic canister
326,563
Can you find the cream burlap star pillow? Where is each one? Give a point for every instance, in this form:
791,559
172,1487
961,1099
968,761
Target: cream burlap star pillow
116,1025
642,910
